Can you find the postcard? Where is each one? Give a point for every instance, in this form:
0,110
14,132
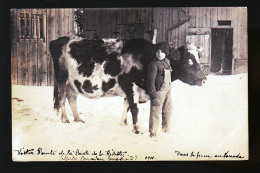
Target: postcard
129,84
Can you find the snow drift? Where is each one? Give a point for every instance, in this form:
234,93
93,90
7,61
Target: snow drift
209,122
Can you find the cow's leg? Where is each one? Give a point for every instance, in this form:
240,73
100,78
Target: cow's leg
64,117
124,115
72,98
134,110
133,100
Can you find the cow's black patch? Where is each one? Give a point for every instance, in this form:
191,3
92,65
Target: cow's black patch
113,66
127,85
88,52
136,76
56,47
141,49
87,68
107,85
87,86
78,85
95,87
60,70
126,81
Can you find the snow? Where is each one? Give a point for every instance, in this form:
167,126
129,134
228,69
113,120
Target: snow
211,120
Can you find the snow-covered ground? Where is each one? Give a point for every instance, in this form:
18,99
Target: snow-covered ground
208,121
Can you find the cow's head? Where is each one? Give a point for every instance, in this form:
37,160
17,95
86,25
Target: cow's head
185,64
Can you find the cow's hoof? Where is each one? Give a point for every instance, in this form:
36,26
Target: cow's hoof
165,131
123,123
79,120
137,131
154,137
65,121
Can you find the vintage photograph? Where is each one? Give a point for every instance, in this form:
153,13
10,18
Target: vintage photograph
129,84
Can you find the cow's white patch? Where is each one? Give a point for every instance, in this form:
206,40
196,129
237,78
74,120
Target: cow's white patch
113,45
190,62
136,94
194,50
139,95
75,39
97,77
196,54
124,114
127,62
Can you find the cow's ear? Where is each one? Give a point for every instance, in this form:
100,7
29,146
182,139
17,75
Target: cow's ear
199,48
175,54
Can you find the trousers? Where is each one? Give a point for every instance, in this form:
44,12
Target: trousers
161,105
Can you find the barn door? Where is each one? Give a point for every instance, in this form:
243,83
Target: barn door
221,56
132,30
201,37
30,47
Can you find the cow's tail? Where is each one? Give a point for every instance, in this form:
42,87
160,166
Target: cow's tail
56,96
60,72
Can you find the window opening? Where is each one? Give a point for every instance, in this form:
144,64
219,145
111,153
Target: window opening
32,27
224,22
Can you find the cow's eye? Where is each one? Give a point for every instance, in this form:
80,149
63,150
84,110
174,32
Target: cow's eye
190,62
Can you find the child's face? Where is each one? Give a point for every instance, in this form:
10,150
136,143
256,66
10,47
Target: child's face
160,55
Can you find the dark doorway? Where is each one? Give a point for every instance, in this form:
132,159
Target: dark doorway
221,51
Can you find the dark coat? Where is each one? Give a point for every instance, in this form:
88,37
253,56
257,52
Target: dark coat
155,76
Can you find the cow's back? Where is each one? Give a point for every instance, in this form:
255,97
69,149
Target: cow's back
91,66
142,50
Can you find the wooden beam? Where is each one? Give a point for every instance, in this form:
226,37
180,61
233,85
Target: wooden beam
198,31
44,27
18,26
14,38
38,28
179,23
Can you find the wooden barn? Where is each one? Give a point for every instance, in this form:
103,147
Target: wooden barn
222,31
31,32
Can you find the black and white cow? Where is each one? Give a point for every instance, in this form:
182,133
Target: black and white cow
110,67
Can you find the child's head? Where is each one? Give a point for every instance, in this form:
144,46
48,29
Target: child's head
162,50
160,54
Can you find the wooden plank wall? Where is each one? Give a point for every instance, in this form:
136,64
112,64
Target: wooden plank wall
104,22
31,60
13,29
59,23
166,19
32,63
202,17
41,56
